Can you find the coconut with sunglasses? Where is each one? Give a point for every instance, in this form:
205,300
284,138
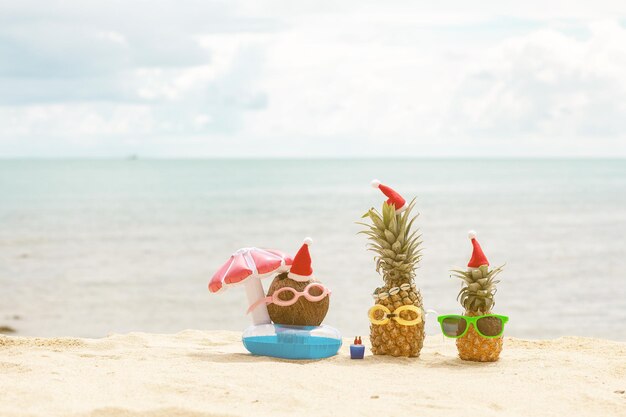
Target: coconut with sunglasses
295,303
479,337
299,300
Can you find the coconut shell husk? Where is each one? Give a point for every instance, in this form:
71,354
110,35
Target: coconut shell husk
303,312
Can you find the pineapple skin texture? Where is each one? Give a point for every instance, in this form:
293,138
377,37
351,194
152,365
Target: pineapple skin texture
394,339
398,252
474,347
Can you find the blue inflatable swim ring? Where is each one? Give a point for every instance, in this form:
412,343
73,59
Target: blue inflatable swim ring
292,342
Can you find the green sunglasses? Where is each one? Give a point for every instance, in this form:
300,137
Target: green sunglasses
488,326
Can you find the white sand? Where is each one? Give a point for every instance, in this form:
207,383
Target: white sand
197,373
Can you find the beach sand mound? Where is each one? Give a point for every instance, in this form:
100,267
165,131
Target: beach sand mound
198,374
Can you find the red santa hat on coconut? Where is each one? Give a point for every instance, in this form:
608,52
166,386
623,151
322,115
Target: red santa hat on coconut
301,268
394,198
478,257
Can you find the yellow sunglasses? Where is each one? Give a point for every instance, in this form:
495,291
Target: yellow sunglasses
388,315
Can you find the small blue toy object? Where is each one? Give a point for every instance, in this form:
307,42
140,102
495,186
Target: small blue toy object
357,350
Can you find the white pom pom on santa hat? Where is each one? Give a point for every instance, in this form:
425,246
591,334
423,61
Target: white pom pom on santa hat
375,183
307,241
471,234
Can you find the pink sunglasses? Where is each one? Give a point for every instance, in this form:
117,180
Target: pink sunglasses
274,299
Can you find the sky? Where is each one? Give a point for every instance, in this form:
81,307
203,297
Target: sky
312,78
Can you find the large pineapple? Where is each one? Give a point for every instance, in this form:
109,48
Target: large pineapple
477,298
397,254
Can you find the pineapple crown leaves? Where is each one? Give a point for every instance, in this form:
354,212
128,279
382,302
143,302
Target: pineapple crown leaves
479,288
397,248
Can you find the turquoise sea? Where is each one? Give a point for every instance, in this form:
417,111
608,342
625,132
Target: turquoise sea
90,247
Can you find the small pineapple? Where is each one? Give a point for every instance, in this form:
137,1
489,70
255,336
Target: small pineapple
476,297
397,254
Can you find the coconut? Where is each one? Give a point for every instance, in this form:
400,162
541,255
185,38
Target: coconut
303,312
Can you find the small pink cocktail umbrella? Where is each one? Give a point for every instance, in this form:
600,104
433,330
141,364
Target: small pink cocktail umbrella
247,266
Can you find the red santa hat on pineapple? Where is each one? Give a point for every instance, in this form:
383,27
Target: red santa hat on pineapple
478,257
394,198
301,268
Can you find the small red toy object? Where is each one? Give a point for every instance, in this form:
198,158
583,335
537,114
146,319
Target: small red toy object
357,350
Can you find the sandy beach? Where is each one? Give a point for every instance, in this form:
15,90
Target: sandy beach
196,373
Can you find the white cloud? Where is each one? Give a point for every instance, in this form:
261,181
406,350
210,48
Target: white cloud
540,93
113,36
81,121
355,78
549,87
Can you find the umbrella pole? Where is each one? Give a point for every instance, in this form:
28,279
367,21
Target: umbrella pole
255,292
